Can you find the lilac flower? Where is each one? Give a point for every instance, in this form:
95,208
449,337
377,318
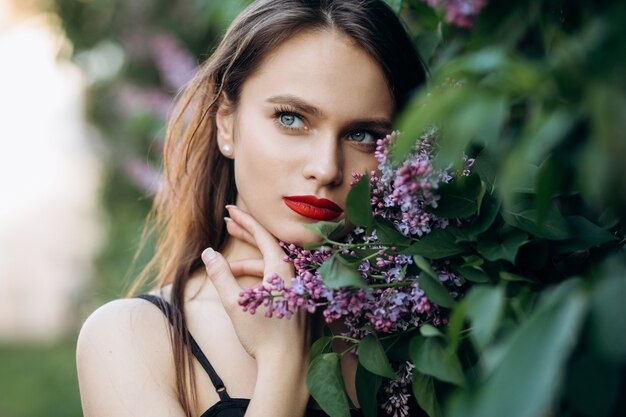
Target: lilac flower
398,392
459,12
175,63
403,194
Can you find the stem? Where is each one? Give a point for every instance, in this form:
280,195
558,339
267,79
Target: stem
373,255
354,245
409,330
350,339
341,354
390,285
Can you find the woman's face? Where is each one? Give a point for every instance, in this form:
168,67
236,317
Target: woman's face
306,120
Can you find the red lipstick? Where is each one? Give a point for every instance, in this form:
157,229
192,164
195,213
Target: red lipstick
312,207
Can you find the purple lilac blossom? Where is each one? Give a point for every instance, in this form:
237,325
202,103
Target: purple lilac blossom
175,63
461,13
398,392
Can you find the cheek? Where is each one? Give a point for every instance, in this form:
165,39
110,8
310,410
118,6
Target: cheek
359,162
261,164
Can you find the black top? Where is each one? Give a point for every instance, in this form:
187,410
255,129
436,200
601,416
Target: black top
226,406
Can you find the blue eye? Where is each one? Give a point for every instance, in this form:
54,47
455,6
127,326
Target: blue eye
290,120
362,136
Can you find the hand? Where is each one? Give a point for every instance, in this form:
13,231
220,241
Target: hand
260,336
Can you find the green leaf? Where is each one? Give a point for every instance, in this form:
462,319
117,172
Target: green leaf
435,291
337,273
421,114
484,308
435,245
526,380
321,345
367,386
358,203
461,123
429,357
549,179
424,391
554,227
502,244
428,330
455,326
607,330
490,207
473,273
508,276
373,358
427,42
387,232
458,199
423,264
486,167
586,235
325,383
325,229
395,5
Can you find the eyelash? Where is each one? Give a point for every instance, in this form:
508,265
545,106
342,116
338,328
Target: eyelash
281,111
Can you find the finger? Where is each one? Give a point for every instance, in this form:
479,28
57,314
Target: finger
252,267
239,232
273,254
264,240
222,278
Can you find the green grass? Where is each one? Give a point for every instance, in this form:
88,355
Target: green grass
39,380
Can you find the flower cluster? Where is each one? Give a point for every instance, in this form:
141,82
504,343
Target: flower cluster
459,12
392,300
403,194
398,392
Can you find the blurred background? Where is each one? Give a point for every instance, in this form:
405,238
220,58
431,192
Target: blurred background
85,87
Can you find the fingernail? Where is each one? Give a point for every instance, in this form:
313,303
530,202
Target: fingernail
208,255
229,206
228,219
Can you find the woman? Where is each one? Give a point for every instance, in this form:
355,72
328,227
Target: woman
286,109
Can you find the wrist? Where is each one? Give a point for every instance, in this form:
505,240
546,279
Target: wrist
287,373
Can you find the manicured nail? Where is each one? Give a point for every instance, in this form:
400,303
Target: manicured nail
228,219
229,206
208,255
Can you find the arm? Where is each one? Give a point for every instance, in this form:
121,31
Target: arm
125,364
280,389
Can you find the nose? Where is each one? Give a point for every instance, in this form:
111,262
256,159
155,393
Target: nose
324,162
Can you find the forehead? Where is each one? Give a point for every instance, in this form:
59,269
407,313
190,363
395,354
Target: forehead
327,70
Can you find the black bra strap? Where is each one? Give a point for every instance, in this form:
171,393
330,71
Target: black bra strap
166,308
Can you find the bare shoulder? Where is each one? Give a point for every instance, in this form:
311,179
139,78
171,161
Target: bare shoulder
125,323
124,360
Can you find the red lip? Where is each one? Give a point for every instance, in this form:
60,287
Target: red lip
312,207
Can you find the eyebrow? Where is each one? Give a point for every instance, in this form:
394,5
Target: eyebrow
297,103
303,106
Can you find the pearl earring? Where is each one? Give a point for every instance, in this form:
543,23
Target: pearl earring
227,149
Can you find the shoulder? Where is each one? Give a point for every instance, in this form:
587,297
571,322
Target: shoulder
124,360
123,323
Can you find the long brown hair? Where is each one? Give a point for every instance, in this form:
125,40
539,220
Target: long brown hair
198,181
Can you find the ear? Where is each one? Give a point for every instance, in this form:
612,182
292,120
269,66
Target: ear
225,124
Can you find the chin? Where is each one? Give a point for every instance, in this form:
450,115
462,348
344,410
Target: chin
298,235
